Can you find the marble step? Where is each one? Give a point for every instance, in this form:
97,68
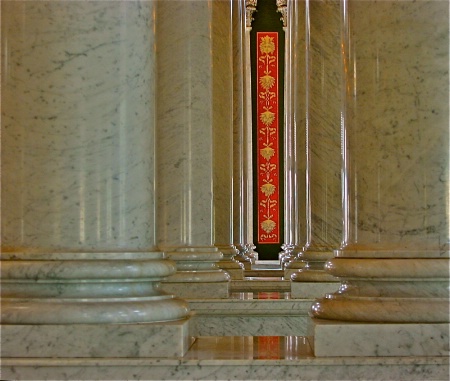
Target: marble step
233,358
264,273
251,316
260,284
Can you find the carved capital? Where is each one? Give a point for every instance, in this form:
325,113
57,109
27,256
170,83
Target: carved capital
282,8
250,7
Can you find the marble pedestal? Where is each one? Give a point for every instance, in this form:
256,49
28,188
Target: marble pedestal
233,267
189,290
137,340
292,267
310,280
311,290
352,339
249,315
198,274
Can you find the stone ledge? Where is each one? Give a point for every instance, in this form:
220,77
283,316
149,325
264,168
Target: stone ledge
339,338
237,358
135,340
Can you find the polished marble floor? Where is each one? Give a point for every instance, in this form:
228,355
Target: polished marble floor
250,348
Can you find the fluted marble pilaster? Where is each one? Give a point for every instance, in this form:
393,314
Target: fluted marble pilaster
78,211
323,160
395,259
292,197
238,25
194,138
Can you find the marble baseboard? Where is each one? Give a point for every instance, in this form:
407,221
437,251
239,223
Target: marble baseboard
311,290
336,338
195,290
169,339
255,317
264,273
265,285
233,358
248,325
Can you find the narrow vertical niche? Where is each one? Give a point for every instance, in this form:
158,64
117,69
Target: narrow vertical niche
267,54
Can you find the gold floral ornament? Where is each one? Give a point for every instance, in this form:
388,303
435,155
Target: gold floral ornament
267,81
268,225
267,117
267,46
267,152
268,189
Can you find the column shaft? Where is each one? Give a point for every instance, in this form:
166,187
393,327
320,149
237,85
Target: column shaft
78,241
396,165
323,158
194,135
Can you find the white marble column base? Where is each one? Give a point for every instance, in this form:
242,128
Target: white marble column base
136,340
312,290
349,339
236,273
229,263
191,290
292,267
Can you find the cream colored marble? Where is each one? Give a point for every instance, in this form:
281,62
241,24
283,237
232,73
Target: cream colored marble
228,263
293,197
239,358
322,128
397,125
77,126
249,317
222,103
198,274
91,289
311,289
260,285
195,131
96,340
80,268
379,340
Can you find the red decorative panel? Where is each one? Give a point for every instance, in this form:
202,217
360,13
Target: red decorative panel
267,138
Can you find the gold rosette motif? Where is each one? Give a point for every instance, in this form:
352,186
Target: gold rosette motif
268,225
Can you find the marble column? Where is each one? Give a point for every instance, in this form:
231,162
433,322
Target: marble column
243,167
249,246
194,112
394,264
239,114
79,265
293,113
223,156
323,156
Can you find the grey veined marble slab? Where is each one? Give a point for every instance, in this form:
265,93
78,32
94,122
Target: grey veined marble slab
234,358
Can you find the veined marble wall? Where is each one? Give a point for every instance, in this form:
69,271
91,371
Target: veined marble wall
397,134
77,113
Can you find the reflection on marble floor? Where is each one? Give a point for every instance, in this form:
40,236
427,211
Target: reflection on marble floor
260,295
250,348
